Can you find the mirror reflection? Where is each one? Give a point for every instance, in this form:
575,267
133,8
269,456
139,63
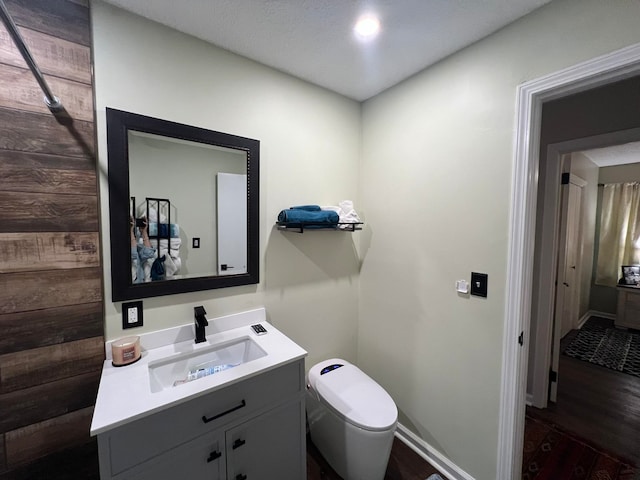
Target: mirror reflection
183,202
188,208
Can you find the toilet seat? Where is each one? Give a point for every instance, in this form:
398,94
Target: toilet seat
353,395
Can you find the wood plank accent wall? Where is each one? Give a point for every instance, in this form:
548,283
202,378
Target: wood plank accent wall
51,292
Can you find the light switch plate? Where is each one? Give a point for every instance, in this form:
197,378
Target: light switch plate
479,283
132,314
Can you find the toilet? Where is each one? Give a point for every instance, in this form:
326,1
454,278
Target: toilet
351,419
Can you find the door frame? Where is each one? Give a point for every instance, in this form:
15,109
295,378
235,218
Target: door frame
560,292
530,96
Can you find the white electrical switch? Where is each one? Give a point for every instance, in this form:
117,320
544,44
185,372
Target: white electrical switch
462,286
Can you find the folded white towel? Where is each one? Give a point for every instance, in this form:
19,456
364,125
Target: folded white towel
348,214
175,243
170,267
345,211
153,214
173,253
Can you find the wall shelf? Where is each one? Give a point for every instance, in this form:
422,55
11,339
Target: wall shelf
298,227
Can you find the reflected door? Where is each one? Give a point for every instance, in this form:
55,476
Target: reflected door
232,223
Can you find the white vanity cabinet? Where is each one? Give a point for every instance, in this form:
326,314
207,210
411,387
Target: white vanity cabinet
251,430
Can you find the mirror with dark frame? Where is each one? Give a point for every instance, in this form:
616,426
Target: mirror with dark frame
183,207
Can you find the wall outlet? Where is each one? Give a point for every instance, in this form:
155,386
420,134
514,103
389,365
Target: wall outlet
131,314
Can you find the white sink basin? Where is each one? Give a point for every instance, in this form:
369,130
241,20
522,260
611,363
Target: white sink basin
174,370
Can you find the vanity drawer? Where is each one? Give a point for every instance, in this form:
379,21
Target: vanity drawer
142,439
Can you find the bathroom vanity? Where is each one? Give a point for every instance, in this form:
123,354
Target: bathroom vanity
244,423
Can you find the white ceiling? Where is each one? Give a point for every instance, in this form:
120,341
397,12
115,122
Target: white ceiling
616,155
313,39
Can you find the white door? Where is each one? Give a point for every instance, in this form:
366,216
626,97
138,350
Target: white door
232,223
568,275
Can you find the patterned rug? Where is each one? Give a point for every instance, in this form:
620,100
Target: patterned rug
598,342
552,454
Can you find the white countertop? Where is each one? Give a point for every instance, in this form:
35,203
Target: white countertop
125,392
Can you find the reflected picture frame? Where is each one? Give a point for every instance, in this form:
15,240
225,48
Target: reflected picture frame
630,274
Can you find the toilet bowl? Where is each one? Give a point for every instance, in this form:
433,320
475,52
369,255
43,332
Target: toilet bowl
351,419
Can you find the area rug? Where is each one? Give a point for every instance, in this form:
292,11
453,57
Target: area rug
601,344
553,454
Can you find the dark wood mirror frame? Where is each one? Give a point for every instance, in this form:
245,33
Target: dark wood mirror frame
118,125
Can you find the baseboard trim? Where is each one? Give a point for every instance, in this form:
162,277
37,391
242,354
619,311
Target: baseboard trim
430,454
595,313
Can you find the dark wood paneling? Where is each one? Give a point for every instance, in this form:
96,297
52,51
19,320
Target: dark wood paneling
45,134
25,178
40,439
38,161
19,90
22,292
51,318
54,56
38,403
36,212
3,458
77,463
59,18
48,364
40,328
26,252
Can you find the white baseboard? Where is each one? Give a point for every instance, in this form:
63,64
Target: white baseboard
529,399
595,313
431,455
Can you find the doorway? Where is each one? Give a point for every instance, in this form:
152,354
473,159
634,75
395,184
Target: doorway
601,71
597,404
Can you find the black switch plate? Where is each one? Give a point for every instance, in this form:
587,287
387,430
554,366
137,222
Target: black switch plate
479,284
195,243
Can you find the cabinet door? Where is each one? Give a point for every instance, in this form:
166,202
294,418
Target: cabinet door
200,459
269,446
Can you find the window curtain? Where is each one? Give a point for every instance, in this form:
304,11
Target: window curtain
619,231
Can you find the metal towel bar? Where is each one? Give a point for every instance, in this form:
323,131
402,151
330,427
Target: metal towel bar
49,98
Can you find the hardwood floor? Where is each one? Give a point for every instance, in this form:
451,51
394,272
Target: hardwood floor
598,404
404,464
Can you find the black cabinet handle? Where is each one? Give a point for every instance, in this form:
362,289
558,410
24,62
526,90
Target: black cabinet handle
238,443
214,456
241,477
237,407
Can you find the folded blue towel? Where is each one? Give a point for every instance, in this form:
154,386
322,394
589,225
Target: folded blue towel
309,208
163,230
319,219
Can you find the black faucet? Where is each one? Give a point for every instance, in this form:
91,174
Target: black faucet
201,322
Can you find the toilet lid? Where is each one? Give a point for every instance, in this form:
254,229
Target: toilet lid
354,395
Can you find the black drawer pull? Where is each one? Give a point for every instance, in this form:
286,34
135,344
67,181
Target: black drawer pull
241,477
237,407
238,443
214,456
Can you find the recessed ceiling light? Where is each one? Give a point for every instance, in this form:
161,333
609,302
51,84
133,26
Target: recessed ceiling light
367,27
